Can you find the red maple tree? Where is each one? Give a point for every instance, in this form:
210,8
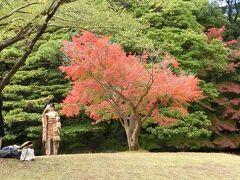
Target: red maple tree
230,86
226,118
109,84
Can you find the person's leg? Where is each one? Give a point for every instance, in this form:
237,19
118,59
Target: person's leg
55,147
58,145
0,142
48,149
51,146
44,147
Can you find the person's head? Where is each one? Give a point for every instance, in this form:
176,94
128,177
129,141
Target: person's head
52,107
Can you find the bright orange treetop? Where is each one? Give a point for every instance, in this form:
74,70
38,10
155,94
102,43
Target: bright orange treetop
108,84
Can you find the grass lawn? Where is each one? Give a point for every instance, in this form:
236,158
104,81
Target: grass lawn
127,165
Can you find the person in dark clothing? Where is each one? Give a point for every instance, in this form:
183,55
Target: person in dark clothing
1,121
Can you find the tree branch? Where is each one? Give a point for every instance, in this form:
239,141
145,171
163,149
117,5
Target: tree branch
8,4
206,106
109,87
112,103
25,30
150,112
16,10
50,13
147,90
19,36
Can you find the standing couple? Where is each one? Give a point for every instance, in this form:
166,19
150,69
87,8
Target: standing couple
51,130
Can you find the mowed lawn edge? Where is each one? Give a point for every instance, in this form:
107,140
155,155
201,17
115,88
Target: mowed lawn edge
126,165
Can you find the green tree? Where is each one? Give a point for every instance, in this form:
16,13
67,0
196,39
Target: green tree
39,81
210,15
175,27
191,132
35,85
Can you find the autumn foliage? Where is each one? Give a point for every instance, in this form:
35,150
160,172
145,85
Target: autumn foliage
228,117
108,84
215,33
231,87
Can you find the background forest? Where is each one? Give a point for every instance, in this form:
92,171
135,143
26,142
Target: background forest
204,37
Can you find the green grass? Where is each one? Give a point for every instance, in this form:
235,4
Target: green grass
128,165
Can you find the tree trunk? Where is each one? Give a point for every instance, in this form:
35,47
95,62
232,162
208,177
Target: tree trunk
132,131
230,10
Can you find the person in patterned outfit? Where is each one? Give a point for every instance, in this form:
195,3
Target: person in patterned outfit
51,130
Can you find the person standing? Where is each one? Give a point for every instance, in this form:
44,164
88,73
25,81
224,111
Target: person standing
1,121
51,130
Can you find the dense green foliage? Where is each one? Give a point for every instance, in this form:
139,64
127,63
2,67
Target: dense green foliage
34,85
173,27
176,26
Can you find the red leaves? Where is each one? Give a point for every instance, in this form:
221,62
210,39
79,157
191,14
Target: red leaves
109,83
215,33
70,110
236,115
233,66
235,101
219,125
168,59
232,42
229,113
235,53
230,105
229,87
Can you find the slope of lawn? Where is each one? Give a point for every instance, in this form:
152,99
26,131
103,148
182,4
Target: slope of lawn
128,165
